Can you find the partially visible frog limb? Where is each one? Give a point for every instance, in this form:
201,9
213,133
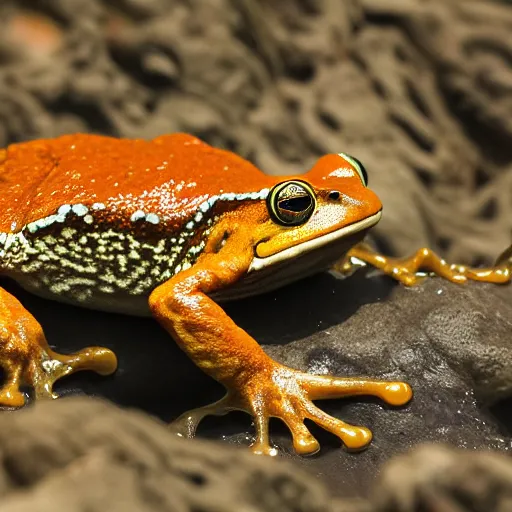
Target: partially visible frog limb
256,384
407,270
28,360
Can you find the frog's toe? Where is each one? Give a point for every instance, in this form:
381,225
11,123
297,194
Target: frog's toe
97,359
11,397
304,443
324,386
353,437
10,394
50,366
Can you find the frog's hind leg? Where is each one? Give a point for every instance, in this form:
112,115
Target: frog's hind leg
27,359
406,270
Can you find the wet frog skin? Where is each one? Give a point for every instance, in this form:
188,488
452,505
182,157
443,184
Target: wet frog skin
170,228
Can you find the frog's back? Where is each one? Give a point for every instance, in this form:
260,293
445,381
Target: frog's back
166,176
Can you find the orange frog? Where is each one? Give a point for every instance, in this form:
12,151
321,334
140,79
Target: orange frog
167,227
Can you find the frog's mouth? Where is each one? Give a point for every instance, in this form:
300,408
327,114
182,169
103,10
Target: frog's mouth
297,262
302,248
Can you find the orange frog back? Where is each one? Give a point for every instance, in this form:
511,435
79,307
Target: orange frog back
169,176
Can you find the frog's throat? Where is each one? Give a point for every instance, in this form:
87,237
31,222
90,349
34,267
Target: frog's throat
290,253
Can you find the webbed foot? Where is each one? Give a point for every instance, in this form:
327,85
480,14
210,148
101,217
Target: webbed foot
42,373
27,360
288,394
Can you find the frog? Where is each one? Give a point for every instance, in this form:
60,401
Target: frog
172,228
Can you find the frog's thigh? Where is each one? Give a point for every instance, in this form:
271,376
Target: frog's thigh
405,269
256,384
26,357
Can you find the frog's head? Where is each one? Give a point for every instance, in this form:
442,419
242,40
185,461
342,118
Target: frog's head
309,221
329,204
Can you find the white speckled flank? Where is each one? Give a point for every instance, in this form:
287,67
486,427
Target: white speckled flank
80,259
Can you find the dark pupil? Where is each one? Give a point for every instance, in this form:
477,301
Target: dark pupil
295,204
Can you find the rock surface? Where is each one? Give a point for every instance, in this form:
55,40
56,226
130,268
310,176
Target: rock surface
452,343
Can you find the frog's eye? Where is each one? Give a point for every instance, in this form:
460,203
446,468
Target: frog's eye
358,166
291,203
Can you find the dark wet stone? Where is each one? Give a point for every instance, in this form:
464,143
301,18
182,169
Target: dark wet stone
452,343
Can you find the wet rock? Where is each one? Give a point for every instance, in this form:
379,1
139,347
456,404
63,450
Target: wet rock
452,343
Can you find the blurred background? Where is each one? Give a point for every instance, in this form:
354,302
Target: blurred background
419,90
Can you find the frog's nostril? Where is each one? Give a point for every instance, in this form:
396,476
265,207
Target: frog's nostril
334,195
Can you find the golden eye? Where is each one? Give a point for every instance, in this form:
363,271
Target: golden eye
291,203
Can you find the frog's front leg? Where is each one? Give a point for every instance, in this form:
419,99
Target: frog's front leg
406,270
255,383
27,359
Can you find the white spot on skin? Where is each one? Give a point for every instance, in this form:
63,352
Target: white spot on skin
138,215
88,219
152,218
64,209
204,207
80,209
98,206
342,172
